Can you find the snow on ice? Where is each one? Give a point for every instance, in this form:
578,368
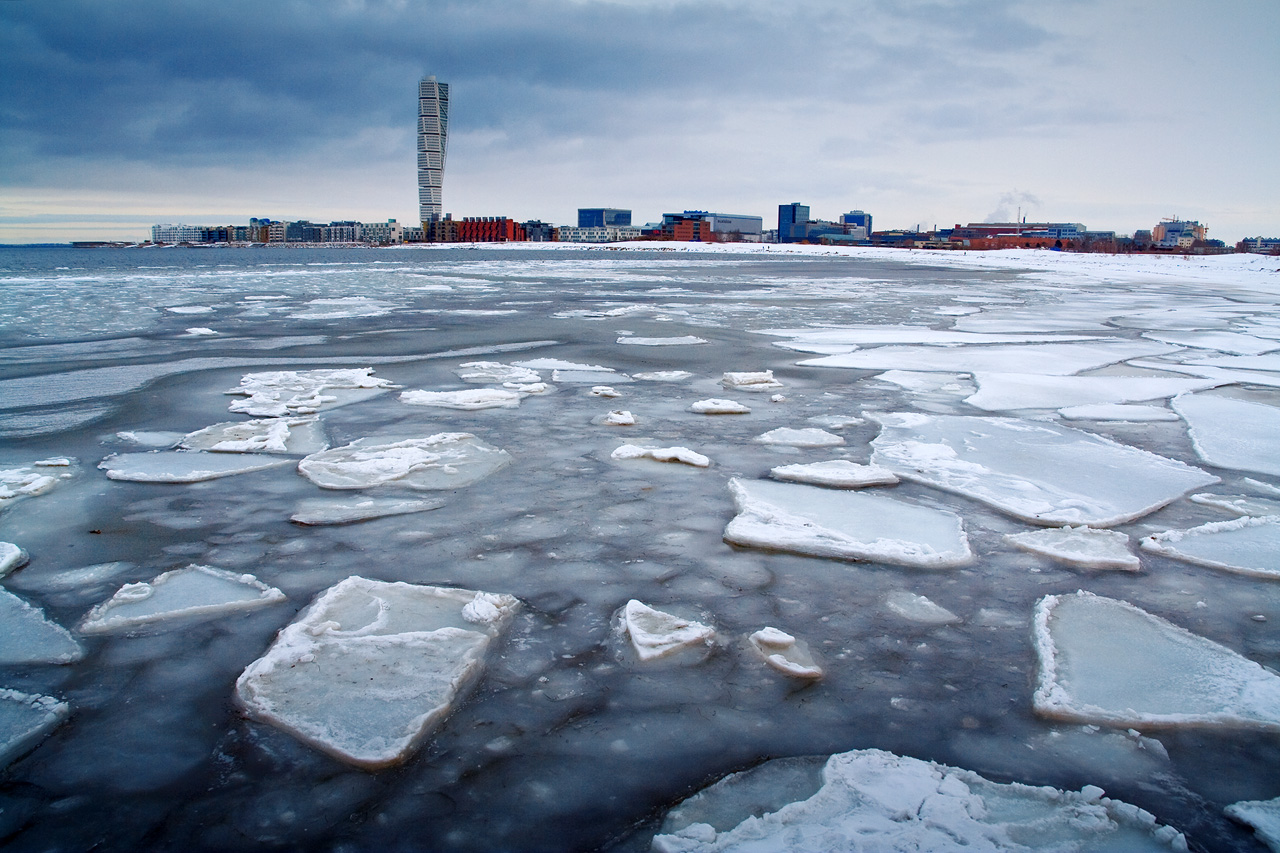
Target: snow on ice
1239,504
483,372
446,460
279,393
265,435
369,669
719,407
1247,546
807,437
785,653
318,512
678,340
1231,433
756,381
835,474
618,417
25,481
661,454
468,400
1086,547
657,634
202,591
1263,816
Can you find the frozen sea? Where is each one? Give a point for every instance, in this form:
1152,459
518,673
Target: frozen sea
569,741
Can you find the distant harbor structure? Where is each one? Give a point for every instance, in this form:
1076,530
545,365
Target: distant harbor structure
433,143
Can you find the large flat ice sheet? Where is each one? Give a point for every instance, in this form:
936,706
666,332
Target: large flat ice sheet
1048,359
1230,433
1040,472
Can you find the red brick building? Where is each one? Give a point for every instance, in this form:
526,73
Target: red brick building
490,229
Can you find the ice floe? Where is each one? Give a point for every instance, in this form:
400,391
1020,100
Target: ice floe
681,340
29,636
470,399
1086,547
321,511
606,391
918,608
25,481
756,381
183,466
844,525
719,407
836,474
875,800
1108,662
1006,391
265,435
1045,359
446,460
151,438
25,718
561,364
483,372
1230,342
1247,546
661,454
1230,433
663,375
619,417
194,591
201,332
1239,504
1040,472
656,634
11,557
1263,816
1117,412
301,392
785,653
369,669
807,437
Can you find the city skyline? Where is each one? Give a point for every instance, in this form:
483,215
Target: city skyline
924,113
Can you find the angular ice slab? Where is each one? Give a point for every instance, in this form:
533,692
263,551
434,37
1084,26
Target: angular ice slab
1233,434
264,435
844,525
719,407
661,454
759,380
193,591
370,668
1106,662
446,460
1005,391
918,608
275,394
183,466
27,635
835,474
11,557
483,372
469,400
321,511
1046,359
1040,472
1086,547
655,634
1247,546
1263,816
682,340
785,653
877,801
807,437
25,718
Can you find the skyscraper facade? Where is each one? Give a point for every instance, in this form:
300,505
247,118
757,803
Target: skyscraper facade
433,143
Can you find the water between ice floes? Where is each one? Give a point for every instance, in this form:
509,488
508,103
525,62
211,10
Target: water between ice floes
568,741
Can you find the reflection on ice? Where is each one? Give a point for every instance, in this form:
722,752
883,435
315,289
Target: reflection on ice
194,591
1248,546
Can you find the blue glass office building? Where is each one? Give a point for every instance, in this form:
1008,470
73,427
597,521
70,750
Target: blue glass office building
599,217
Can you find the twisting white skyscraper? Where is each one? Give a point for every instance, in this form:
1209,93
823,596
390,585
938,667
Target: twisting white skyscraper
433,143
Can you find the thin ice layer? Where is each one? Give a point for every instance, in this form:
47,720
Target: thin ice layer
835,474
278,393
446,460
469,400
1247,546
844,525
183,466
323,511
1086,547
1045,359
877,801
369,669
1107,662
25,719
1040,472
1231,433
28,636
1009,391
262,435
657,634
193,591
1263,816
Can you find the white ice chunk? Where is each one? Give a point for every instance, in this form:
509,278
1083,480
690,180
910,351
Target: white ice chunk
483,372
663,375
1005,391
661,454
201,332
836,474
193,591
1085,547
918,608
183,466
370,668
25,481
1045,359
1117,412
25,719
1247,546
470,399
719,407
1107,662
682,340
760,380
619,417
1231,433
322,511
27,635
807,437
1239,504
604,391
446,460
529,389
785,653
877,801
11,557
1263,816
1040,472
265,435
837,421
844,525
655,633
291,392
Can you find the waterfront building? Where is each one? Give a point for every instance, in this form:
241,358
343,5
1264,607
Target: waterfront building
537,231
490,229
433,143
857,219
789,216
442,230
1260,245
382,233
598,234
176,233
1178,233
599,217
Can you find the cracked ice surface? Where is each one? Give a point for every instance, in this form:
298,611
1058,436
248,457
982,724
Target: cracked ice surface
1039,472
836,474
445,460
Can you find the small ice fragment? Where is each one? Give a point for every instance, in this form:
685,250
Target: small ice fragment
681,340
918,608
1086,547
193,591
778,398
530,389
469,400
182,466
808,437
1247,545
751,381
489,608
25,718
190,309
661,454
837,474
11,557
619,417
30,637
443,461
837,421
321,511
53,462
265,435
604,391
655,633
483,372
785,653
663,375
1263,816
719,407
200,331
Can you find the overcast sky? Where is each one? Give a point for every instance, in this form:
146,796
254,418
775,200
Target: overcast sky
115,116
